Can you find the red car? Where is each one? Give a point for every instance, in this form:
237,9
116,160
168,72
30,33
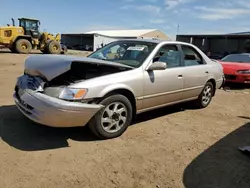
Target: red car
236,68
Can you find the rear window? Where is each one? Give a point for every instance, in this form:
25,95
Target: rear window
240,58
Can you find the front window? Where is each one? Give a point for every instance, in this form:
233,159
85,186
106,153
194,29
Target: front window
239,58
29,24
131,53
169,54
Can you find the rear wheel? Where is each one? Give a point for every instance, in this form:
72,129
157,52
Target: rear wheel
54,47
23,46
206,96
113,120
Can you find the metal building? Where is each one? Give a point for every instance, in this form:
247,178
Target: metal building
93,40
218,45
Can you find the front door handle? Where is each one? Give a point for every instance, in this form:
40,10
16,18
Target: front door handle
206,72
180,76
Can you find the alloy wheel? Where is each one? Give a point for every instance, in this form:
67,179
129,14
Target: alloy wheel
114,117
207,95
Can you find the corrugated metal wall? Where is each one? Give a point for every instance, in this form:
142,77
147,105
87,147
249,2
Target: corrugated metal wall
183,39
81,40
215,45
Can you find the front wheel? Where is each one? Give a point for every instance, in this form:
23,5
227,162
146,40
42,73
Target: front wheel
53,47
113,120
206,96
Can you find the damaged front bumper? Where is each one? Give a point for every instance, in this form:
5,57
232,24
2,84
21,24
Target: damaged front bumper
54,112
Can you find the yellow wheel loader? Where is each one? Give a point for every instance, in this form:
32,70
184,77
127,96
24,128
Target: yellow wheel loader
26,36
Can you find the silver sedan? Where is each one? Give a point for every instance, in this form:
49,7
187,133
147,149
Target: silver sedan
107,89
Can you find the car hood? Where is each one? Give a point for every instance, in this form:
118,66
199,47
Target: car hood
235,65
230,67
51,66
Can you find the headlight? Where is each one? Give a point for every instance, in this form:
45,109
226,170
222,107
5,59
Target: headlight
243,72
73,94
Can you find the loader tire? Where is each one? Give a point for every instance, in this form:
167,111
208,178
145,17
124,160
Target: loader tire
44,51
23,46
13,49
54,47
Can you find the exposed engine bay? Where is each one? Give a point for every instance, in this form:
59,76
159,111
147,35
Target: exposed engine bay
77,73
84,71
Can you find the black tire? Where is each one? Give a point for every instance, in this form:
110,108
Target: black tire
200,102
23,46
53,47
44,51
13,49
95,123
64,50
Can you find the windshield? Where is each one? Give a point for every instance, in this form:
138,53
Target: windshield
239,58
131,53
29,24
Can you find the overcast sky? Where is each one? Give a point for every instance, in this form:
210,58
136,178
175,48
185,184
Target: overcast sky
192,16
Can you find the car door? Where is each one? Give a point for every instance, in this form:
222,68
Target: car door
164,86
196,72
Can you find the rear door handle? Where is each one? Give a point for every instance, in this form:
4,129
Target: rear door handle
206,72
180,76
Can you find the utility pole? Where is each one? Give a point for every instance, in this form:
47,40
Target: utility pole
178,27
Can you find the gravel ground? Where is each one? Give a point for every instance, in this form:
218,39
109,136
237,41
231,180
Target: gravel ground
171,147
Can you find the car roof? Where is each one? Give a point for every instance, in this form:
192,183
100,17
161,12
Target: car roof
240,54
245,53
157,41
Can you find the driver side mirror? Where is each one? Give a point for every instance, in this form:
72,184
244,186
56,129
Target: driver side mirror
157,66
